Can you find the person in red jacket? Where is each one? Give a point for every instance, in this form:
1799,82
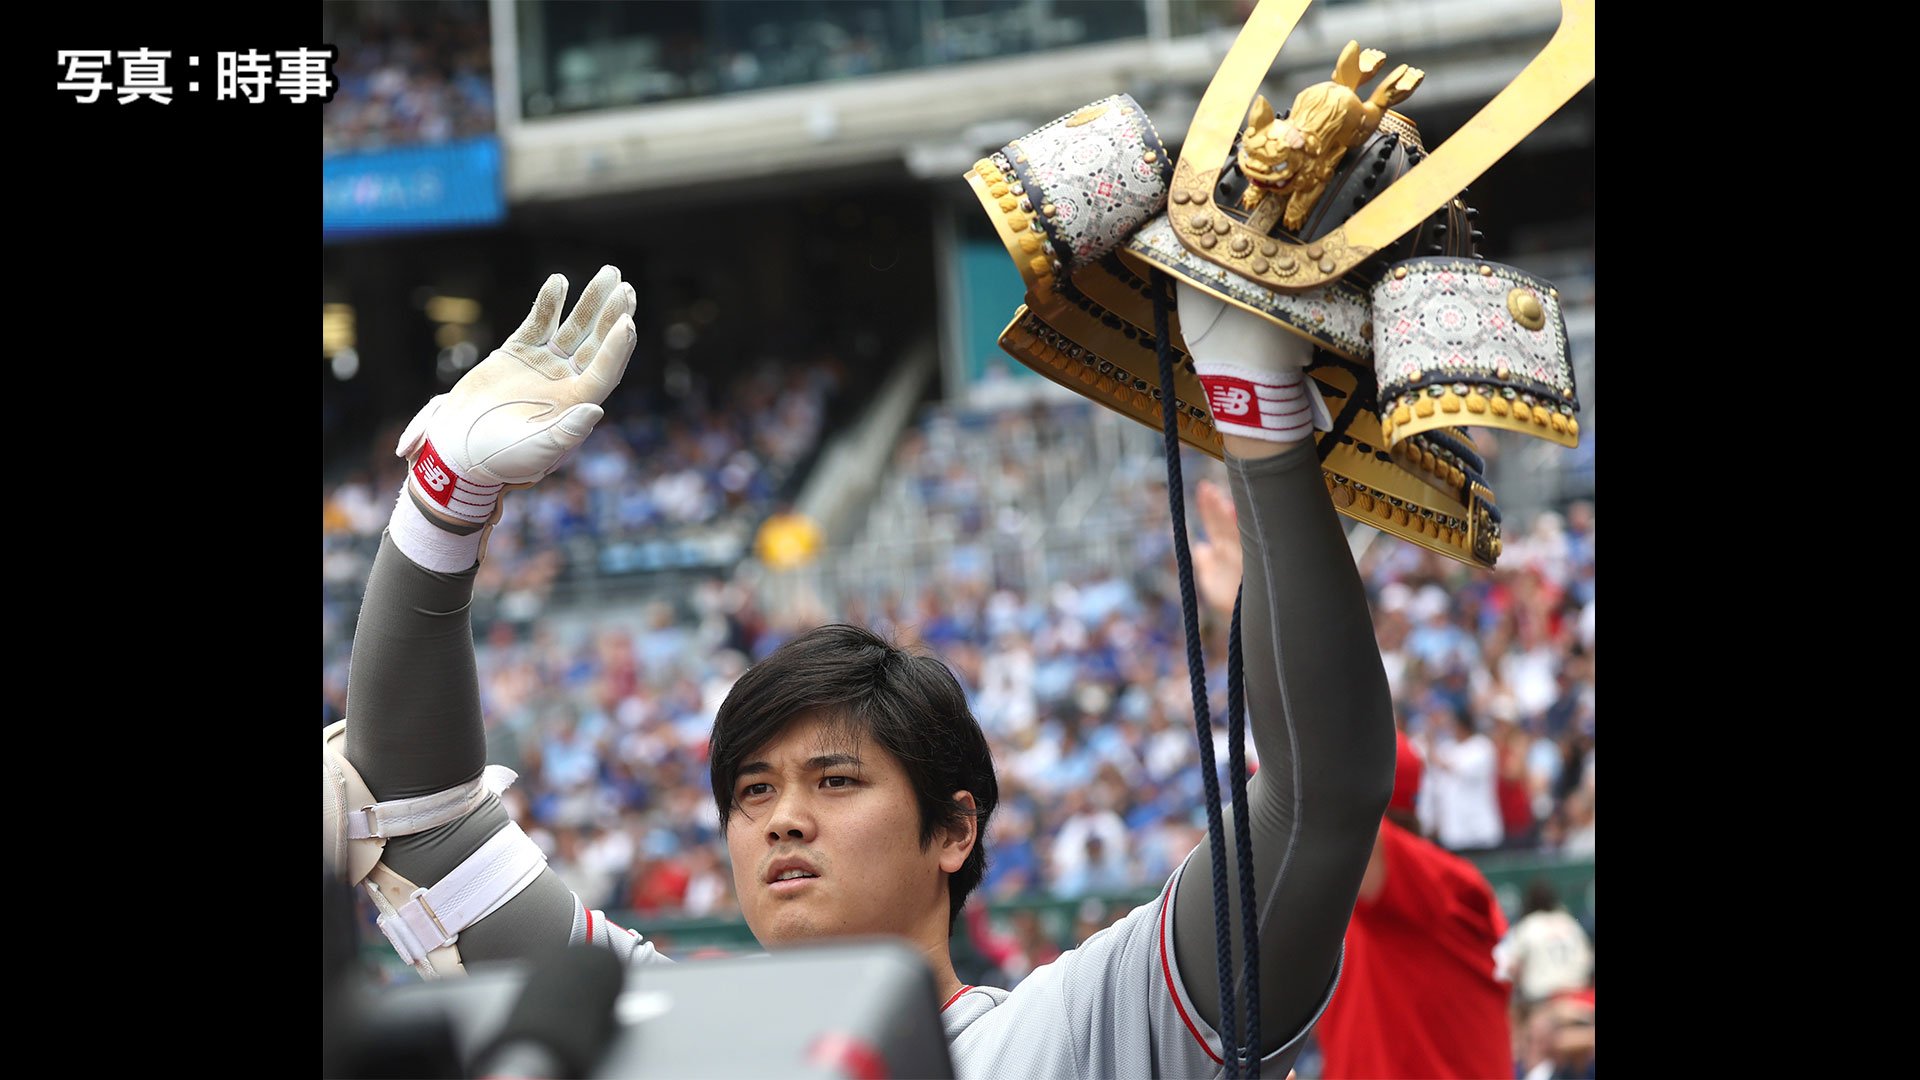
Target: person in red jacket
1422,996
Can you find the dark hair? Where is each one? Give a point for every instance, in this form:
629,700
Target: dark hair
911,705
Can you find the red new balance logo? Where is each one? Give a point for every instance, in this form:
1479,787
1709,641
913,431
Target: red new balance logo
1230,400
433,475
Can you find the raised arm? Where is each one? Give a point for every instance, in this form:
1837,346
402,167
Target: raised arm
413,723
1316,692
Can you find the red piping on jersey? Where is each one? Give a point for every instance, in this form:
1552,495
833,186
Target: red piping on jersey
1172,990
589,925
956,996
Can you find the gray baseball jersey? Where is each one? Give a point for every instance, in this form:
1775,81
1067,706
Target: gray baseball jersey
1116,1006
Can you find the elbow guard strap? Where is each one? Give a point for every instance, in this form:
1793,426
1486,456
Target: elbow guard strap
422,923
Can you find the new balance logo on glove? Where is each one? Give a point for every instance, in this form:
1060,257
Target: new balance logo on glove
433,475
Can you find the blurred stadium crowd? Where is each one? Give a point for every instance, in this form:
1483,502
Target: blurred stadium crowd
408,74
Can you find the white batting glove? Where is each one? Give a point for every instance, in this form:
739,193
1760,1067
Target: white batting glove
1253,370
518,414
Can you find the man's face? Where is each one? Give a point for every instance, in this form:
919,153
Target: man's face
841,811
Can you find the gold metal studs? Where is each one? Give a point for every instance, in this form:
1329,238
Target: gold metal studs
1485,270
1180,196
1087,115
1399,273
1526,309
1260,265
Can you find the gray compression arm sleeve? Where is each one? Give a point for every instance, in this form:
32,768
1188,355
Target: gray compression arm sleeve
414,727
1322,721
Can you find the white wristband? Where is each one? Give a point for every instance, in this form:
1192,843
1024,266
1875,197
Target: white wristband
1276,406
428,545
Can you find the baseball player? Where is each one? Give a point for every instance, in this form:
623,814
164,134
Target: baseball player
854,785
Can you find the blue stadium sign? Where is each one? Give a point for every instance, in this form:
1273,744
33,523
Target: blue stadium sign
445,186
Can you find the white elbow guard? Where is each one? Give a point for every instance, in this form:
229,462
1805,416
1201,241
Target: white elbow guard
422,924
